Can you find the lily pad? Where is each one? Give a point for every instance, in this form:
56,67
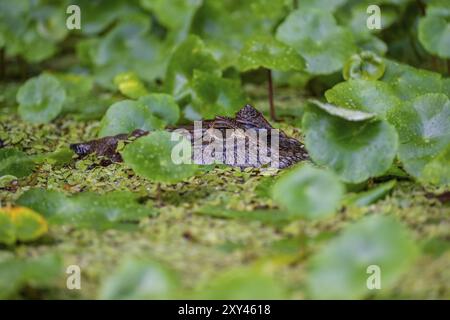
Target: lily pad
369,96
409,82
41,99
130,85
308,192
86,209
241,284
434,29
344,113
15,162
365,65
190,55
226,26
269,53
368,197
162,106
342,266
20,224
161,156
437,171
175,15
316,36
126,116
213,95
424,129
139,279
356,151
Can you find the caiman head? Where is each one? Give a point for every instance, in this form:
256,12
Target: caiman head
290,150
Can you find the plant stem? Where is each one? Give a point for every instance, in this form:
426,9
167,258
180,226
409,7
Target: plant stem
435,63
158,191
421,6
295,4
270,89
2,64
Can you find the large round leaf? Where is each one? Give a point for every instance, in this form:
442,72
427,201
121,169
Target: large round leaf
225,26
355,150
343,268
214,96
344,113
20,224
151,157
163,106
437,171
41,99
130,85
434,29
369,96
15,163
126,116
316,36
309,192
190,55
424,130
269,53
139,279
409,82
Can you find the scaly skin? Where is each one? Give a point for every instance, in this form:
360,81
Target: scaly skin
290,150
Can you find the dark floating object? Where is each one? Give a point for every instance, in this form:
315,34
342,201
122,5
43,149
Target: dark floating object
442,197
290,150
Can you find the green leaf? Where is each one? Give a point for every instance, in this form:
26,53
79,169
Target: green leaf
434,29
40,272
77,87
41,99
242,284
175,15
365,65
86,209
139,279
265,216
269,53
31,30
162,106
368,197
190,55
330,5
408,82
151,157
128,47
356,151
96,17
437,171
226,26
213,96
308,192
342,266
424,129
15,162
130,85
315,35
126,116
368,96
20,224
344,113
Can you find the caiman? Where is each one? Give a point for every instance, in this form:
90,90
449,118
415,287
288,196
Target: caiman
246,121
